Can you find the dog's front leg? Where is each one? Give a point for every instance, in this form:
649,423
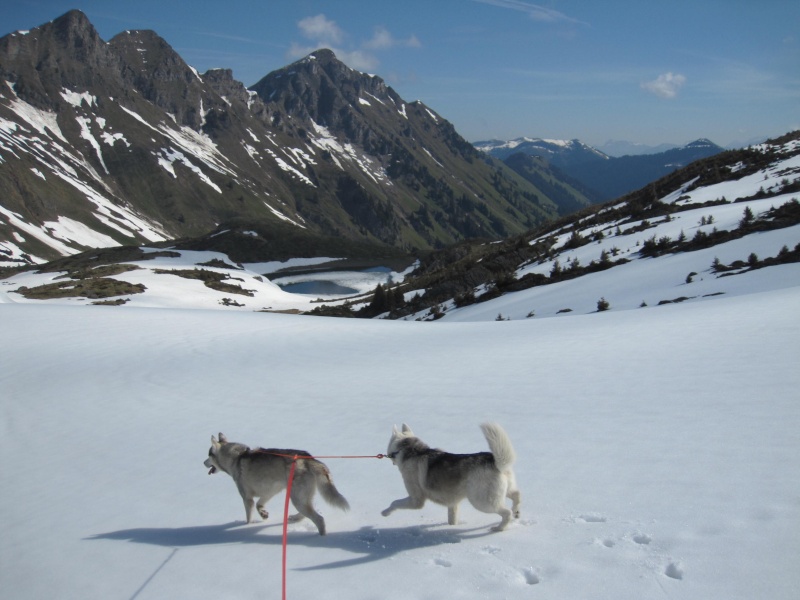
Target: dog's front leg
452,515
410,502
260,508
248,508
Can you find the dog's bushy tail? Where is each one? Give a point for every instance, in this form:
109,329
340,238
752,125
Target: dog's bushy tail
326,487
499,444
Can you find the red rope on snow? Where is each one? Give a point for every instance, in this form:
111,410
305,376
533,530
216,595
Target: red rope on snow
295,458
286,521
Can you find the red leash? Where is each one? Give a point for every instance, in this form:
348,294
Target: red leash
295,458
286,521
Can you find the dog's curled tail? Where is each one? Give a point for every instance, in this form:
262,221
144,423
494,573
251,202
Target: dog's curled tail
499,444
327,489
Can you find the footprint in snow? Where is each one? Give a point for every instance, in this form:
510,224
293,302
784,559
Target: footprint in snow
674,570
531,576
442,562
642,539
592,518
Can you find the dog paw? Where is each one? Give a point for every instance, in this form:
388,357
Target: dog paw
386,512
264,514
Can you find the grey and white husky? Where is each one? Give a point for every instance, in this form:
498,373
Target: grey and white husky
484,478
262,473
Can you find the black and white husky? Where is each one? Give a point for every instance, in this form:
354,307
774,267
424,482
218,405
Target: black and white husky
262,473
485,478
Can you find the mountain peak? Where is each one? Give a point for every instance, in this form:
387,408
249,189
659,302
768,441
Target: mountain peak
322,55
64,53
324,89
701,143
73,30
73,19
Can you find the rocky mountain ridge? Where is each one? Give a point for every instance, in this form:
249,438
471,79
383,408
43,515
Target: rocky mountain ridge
122,142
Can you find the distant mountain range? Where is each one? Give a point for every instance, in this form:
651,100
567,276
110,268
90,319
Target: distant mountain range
624,148
600,177
122,142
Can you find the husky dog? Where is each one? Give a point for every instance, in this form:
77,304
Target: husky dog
264,472
485,478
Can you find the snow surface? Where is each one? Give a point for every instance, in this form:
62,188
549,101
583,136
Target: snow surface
657,452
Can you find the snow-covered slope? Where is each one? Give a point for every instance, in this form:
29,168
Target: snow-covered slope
685,274
634,281
559,152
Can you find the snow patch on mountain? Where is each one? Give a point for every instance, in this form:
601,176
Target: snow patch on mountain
41,120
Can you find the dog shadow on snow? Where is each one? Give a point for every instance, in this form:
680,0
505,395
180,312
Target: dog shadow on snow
369,543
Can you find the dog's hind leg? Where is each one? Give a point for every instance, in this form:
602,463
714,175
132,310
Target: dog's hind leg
513,493
506,515
303,498
305,508
516,500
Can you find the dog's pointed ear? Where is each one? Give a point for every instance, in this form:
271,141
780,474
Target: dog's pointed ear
407,429
222,438
394,430
214,441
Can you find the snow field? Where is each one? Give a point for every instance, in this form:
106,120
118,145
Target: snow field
657,452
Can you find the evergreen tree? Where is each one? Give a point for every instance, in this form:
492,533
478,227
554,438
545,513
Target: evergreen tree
747,217
379,302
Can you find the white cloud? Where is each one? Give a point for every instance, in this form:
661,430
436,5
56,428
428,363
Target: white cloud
320,29
358,60
382,39
666,85
325,33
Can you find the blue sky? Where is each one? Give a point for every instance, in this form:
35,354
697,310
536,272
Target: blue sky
643,71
